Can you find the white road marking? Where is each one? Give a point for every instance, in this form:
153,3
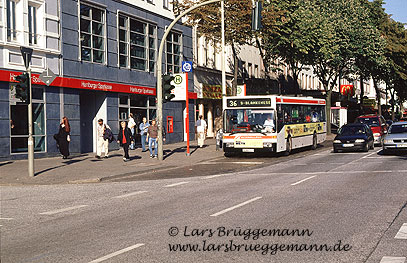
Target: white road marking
176,184
236,206
212,176
331,172
116,253
303,180
62,210
6,218
130,194
402,234
393,260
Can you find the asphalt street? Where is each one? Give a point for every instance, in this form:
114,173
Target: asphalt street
314,206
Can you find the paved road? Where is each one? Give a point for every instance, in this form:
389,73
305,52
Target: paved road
352,202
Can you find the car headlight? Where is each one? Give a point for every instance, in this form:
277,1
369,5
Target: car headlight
376,134
359,140
337,141
387,141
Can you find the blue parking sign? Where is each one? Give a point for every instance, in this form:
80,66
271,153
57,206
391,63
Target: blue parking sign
186,66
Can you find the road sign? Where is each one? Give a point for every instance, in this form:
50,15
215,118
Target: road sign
26,53
47,77
186,66
180,83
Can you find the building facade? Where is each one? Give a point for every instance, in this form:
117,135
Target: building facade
105,61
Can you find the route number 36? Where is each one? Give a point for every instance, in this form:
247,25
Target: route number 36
232,103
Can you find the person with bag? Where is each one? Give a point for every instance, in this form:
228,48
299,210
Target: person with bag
124,139
132,124
103,136
63,137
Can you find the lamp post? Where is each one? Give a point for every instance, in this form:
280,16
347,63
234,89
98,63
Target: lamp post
159,69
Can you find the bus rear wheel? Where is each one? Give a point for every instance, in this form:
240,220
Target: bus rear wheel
288,146
314,142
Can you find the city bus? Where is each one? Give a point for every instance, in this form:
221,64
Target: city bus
276,124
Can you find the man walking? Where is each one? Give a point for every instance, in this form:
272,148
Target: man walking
143,132
102,144
200,130
152,134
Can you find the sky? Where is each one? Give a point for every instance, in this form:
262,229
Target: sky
398,9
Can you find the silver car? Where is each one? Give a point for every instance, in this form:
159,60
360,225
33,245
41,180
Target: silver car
396,138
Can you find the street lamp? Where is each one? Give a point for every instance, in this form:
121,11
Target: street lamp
159,69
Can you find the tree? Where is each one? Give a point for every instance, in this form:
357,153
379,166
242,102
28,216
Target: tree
291,37
238,29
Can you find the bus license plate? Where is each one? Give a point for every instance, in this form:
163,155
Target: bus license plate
248,150
348,145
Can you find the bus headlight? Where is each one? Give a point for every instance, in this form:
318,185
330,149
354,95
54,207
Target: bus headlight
267,144
229,144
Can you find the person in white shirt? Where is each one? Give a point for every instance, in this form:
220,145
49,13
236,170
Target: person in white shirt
102,143
200,130
269,124
131,124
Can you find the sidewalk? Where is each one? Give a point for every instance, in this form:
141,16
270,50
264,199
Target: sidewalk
85,168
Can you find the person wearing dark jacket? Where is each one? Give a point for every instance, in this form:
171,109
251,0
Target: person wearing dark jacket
124,139
63,137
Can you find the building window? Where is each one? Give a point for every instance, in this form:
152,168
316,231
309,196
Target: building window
173,52
205,45
137,44
11,21
250,70
256,71
19,123
165,4
92,34
32,25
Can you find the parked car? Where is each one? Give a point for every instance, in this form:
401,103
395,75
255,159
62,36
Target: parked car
377,124
396,138
354,136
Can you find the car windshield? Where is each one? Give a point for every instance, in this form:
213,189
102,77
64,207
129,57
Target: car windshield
371,121
400,128
351,130
249,121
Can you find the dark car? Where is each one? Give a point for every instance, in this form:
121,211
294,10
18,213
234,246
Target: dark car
354,136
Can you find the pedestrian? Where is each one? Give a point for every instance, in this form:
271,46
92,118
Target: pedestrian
124,139
63,137
143,132
200,130
102,142
132,125
152,134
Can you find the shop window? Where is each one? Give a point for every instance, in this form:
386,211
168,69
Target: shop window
123,100
138,101
19,123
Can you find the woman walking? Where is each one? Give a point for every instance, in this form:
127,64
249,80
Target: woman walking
124,139
64,137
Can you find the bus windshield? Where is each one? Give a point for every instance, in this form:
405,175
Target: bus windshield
249,121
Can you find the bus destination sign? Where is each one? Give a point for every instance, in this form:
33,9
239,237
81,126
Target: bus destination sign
254,102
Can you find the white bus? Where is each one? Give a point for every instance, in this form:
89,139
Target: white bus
272,124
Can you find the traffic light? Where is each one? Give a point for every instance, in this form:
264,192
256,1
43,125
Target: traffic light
256,16
22,88
167,87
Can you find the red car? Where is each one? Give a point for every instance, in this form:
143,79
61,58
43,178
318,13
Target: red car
377,124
